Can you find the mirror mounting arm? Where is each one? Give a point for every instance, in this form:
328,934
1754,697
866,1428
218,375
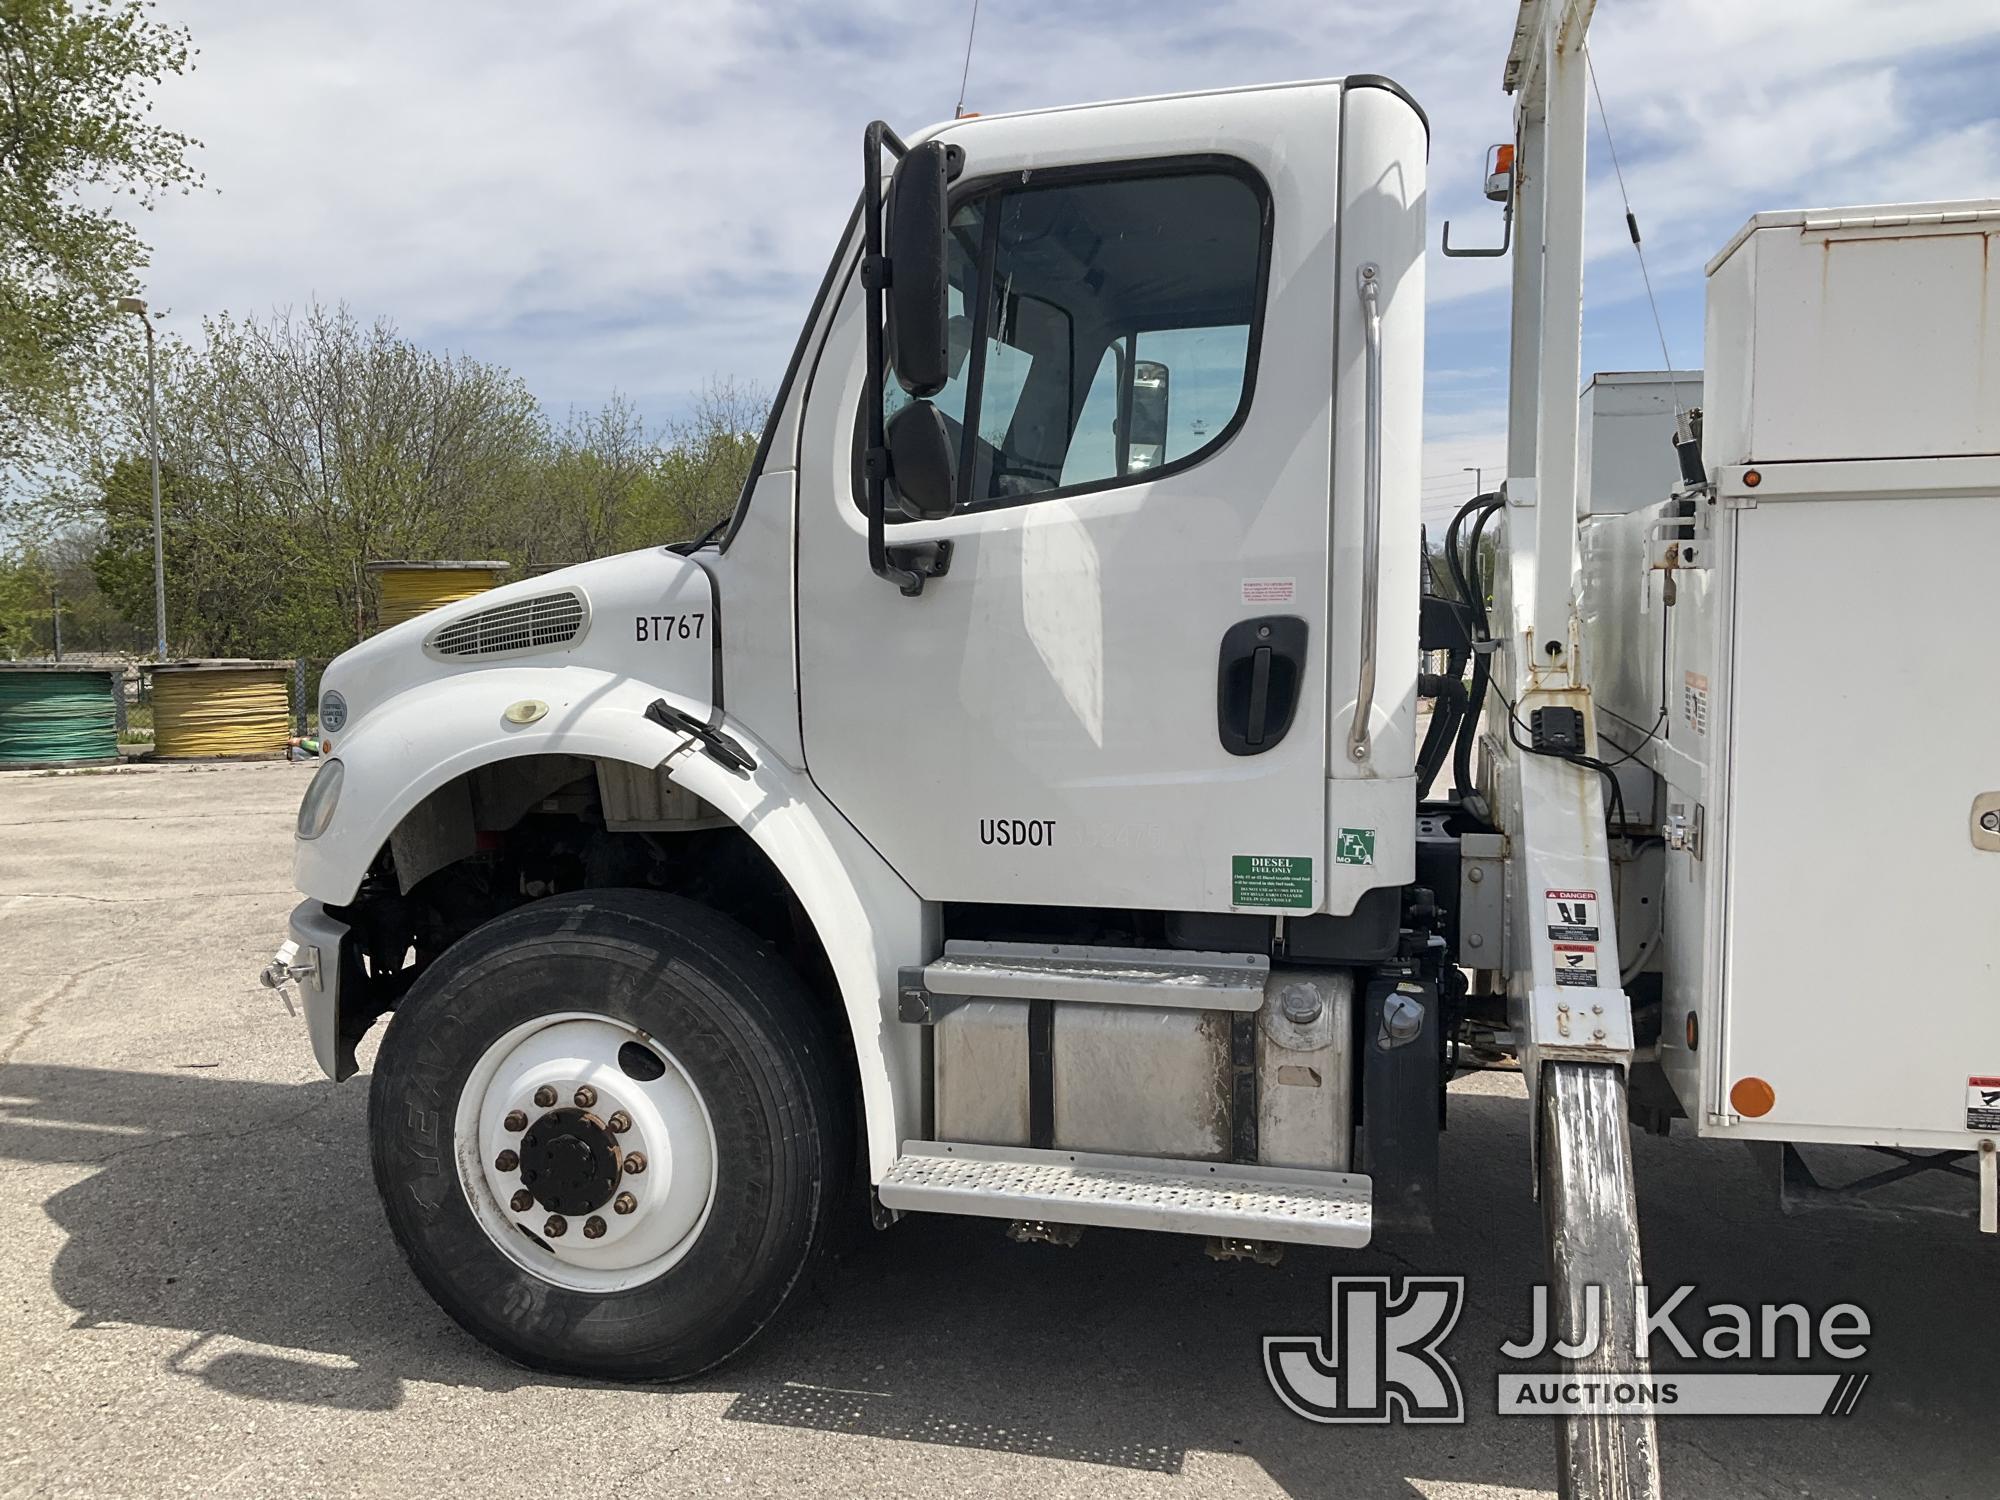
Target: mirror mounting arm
1483,252
875,275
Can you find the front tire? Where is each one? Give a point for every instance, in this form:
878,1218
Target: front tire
607,1135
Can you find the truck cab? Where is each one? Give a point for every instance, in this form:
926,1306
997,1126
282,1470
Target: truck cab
1015,808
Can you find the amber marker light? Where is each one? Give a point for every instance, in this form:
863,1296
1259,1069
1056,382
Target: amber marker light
1752,1098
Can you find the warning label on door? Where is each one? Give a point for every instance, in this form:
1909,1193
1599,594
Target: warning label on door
1271,880
1982,1104
1269,590
1576,964
1572,916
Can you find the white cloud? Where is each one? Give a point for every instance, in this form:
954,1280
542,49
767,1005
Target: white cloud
638,196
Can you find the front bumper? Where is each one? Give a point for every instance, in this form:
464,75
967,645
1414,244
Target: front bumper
315,958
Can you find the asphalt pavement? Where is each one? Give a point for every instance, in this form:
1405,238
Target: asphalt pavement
199,1296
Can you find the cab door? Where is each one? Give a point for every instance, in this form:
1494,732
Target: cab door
1116,693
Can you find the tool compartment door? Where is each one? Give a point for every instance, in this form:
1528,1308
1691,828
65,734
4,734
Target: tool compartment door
1861,957
1146,294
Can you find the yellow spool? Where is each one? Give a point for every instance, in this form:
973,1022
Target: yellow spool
204,710
409,589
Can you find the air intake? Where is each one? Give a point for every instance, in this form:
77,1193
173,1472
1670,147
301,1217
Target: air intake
519,625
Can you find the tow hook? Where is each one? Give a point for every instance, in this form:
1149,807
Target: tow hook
285,968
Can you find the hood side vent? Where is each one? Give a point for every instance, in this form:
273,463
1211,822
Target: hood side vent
536,624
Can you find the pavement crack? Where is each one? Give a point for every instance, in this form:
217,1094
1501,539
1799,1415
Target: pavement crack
37,1011
221,1132
234,815
132,900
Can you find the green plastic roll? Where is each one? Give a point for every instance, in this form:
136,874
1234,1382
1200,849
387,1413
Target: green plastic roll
56,716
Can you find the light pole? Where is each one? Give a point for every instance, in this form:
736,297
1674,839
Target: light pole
137,307
1478,479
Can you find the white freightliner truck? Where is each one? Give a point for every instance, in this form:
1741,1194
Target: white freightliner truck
1020,810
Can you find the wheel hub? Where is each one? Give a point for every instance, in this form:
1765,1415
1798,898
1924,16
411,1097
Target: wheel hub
586,1154
569,1161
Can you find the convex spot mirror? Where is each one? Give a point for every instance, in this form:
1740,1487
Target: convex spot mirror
1147,448
919,323
922,462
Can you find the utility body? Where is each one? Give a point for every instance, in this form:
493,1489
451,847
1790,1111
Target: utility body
1024,807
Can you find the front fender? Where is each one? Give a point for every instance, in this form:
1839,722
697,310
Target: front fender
868,920
401,751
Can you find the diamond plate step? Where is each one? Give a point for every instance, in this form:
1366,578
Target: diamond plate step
1106,976
1131,1192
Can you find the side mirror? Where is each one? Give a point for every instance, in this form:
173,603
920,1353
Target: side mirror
1147,448
923,462
919,306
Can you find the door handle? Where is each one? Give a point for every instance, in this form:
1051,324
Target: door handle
1260,695
1359,732
1259,673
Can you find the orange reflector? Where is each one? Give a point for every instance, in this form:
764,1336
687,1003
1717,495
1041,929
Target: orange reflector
1503,159
1751,478
1752,1098
1694,1033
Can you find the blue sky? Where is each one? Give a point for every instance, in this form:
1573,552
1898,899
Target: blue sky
640,196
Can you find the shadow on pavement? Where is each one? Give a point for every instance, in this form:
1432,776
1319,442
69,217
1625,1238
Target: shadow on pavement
243,1214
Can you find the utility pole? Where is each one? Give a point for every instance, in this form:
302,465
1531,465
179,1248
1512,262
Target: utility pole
137,307
55,611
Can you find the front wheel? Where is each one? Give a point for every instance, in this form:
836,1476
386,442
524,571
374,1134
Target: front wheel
606,1132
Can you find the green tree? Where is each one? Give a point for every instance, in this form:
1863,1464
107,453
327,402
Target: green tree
705,458
297,449
24,606
77,144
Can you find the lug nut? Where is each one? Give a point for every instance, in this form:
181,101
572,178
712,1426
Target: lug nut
506,1161
517,1119
619,1123
624,1203
522,1201
585,1097
545,1097
635,1162
593,1228
556,1227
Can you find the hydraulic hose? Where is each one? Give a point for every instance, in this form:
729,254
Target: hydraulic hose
1466,574
1448,696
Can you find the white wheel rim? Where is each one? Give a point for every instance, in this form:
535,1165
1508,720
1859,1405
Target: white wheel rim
651,1212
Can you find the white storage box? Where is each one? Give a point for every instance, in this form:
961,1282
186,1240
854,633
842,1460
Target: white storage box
1856,333
1625,433
1831,902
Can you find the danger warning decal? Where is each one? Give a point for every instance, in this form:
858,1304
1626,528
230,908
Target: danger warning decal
1576,964
1694,701
1572,916
1982,1104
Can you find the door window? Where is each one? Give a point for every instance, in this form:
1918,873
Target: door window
1103,331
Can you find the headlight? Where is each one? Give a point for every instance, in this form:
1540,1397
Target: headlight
316,811
332,713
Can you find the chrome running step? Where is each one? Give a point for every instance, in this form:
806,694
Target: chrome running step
1131,1192
1105,976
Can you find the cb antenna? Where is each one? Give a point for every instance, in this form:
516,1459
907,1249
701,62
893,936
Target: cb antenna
958,110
